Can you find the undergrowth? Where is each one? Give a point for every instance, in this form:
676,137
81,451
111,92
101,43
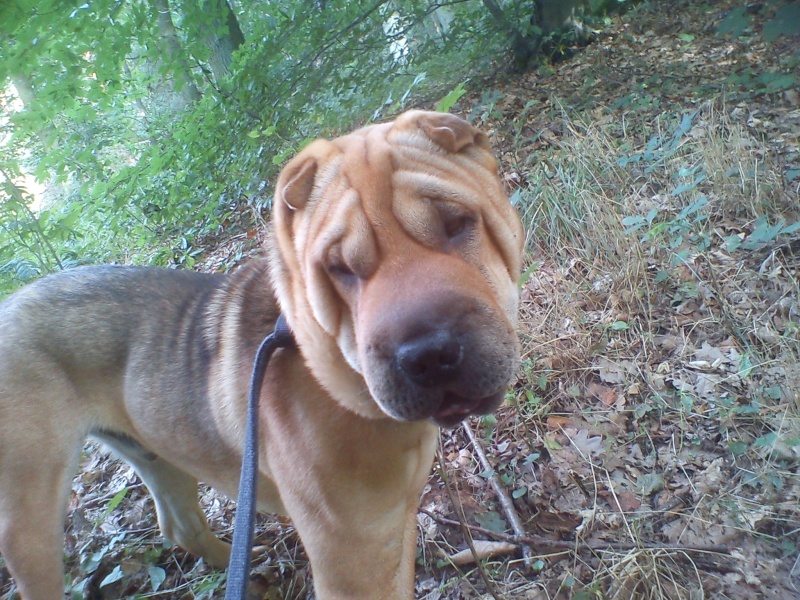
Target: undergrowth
661,298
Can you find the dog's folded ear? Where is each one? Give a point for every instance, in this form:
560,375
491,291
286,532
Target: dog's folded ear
295,185
447,131
296,181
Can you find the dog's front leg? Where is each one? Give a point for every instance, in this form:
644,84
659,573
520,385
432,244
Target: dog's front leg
354,502
352,487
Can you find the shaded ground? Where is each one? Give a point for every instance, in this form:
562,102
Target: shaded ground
650,447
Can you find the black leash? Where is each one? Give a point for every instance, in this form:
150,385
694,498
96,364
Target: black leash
241,552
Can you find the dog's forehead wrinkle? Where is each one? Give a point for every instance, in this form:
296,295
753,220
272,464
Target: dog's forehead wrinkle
367,170
328,176
337,218
478,194
414,140
456,170
366,156
434,187
420,198
327,220
414,148
361,150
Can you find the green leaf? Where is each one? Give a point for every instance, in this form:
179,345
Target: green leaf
692,208
113,577
157,577
552,444
785,22
765,440
731,242
682,189
446,103
662,275
746,366
789,229
749,409
633,223
486,474
541,381
735,23
113,503
531,458
648,483
488,421
492,521
526,274
70,219
737,448
777,82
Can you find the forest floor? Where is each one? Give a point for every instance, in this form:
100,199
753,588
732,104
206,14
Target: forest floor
650,446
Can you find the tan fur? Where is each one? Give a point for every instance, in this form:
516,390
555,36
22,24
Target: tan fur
394,256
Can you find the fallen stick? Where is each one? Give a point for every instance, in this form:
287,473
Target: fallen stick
539,541
502,496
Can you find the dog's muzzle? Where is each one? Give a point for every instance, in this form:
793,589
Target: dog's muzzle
442,364
431,359
434,360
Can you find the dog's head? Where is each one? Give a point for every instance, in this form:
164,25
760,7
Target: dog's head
395,259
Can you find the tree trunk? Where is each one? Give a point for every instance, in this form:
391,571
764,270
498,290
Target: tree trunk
24,89
524,47
223,46
182,83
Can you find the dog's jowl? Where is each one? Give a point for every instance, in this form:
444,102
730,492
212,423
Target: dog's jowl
394,256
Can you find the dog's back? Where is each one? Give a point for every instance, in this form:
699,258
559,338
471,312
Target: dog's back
84,318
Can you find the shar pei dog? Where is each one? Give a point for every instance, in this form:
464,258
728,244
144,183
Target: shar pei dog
394,257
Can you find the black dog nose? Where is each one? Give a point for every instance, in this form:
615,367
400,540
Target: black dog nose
431,359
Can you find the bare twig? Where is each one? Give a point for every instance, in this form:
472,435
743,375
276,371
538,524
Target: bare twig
502,496
538,541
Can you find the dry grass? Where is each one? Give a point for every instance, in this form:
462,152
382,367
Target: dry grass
672,347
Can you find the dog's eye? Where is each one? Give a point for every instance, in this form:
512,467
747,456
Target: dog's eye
453,227
337,268
456,222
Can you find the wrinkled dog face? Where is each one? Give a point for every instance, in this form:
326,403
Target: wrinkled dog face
399,252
